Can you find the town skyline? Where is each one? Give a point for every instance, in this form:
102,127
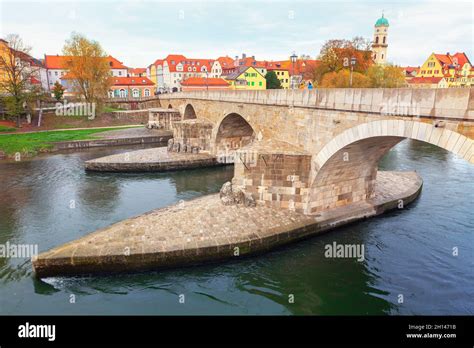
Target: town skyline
205,29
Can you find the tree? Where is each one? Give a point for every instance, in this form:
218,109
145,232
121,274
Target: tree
272,80
58,91
386,76
341,79
89,69
18,70
334,53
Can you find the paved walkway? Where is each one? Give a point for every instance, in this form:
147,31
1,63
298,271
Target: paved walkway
204,229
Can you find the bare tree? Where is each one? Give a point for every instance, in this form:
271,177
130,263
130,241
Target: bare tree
17,73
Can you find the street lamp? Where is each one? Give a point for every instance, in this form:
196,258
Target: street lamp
353,62
293,58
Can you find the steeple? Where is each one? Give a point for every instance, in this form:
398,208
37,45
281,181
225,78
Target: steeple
380,43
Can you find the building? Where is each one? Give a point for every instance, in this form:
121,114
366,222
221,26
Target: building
203,83
57,67
428,82
380,43
131,87
134,72
168,73
32,67
246,77
282,74
410,72
455,69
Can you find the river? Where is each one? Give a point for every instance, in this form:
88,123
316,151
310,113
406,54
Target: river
419,260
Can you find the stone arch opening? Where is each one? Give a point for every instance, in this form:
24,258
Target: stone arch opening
189,113
345,170
170,106
234,132
349,175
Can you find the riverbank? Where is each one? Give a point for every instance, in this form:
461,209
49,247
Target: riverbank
204,230
32,143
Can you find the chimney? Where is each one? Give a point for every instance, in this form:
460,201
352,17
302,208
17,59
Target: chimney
244,56
253,57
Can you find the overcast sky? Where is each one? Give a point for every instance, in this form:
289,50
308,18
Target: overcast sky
139,32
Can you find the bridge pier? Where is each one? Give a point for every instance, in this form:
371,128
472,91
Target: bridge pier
276,173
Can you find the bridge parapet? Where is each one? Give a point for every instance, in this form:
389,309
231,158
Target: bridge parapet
450,103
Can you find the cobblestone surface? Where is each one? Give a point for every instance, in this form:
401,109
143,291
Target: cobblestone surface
204,229
155,159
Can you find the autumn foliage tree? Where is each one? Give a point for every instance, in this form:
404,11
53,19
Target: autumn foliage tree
333,73
18,70
341,79
386,76
88,68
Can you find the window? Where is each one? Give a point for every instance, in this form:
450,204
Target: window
377,40
56,73
135,93
253,83
123,94
375,56
260,83
111,94
384,39
147,92
382,55
120,73
172,62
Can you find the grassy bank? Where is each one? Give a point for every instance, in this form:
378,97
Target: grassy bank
29,144
7,129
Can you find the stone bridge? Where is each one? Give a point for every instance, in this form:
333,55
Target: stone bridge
310,151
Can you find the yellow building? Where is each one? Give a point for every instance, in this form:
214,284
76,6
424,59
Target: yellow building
445,70
4,53
247,78
151,73
283,75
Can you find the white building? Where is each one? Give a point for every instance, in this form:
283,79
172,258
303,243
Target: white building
56,67
174,69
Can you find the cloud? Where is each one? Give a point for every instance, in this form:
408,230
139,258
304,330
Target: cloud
139,32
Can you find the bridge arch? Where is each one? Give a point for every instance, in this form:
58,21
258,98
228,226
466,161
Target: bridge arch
233,132
345,169
189,112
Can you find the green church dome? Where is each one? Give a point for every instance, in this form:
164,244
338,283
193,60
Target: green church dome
381,22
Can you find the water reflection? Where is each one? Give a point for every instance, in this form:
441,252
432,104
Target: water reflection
408,252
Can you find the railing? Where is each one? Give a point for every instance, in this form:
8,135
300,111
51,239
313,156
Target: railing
451,103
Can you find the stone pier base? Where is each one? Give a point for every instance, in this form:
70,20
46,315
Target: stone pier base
205,230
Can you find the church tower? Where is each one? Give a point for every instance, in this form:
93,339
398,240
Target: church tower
380,43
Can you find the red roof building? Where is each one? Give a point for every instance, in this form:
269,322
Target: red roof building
203,83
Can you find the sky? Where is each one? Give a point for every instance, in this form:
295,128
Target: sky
139,32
